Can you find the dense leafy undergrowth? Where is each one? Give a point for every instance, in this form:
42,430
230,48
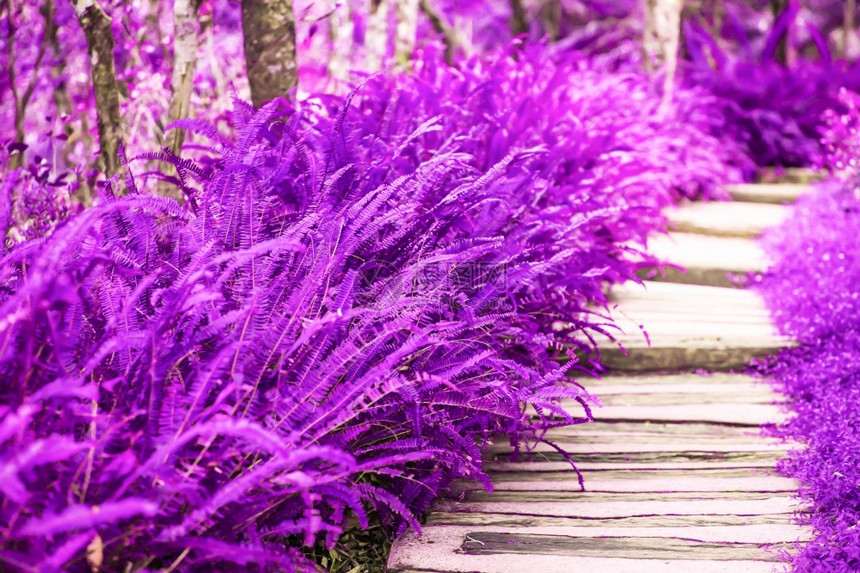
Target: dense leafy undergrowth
773,109
355,295
813,294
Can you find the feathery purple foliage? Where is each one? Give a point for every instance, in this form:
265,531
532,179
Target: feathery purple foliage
774,110
813,296
356,295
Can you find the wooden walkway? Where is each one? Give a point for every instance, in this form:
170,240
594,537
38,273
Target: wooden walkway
678,477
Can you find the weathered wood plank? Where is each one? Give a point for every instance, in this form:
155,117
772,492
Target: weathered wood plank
636,431
738,413
738,533
705,260
475,495
444,553
490,542
689,396
530,506
803,175
641,481
632,523
686,354
701,380
680,293
776,193
585,447
730,219
687,339
632,460
454,563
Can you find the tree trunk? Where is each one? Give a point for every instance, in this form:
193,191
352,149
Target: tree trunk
719,14
519,21
661,38
186,44
340,35
97,29
269,29
847,27
778,7
376,37
185,47
449,34
407,25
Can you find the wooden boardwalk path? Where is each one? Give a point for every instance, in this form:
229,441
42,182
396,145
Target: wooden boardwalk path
678,477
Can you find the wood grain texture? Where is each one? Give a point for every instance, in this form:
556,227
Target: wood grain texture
489,542
640,481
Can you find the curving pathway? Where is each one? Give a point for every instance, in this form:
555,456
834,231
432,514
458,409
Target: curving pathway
678,477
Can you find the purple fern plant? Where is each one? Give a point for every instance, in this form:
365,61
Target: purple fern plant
355,297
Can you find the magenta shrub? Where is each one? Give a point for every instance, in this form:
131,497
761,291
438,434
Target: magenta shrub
813,296
356,294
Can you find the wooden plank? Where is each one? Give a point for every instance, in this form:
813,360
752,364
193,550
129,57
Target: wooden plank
776,193
525,503
439,561
615,444
565,483
730,219
687,354
473,494
690,338
704,391
695,275
459,549
679,293
803,175
632,460
700,379
704,260
632,523
710,310
725,413
491,542
746,533
688,396
680,480
656,432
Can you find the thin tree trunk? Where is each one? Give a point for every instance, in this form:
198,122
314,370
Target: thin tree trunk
719,13
778,7
519,21
186,44
407,25
269,29
551,18
21,101
185,47
97,29
449,34
376,37
660,40
847,26
340,35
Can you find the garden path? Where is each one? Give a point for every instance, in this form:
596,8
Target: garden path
678,477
